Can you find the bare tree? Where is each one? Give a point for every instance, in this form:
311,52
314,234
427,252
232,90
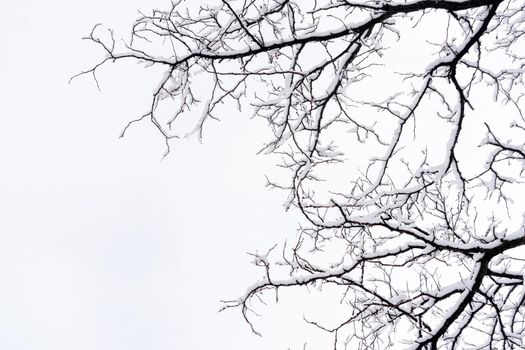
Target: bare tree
401,125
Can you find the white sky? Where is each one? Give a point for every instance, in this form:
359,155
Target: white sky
102,245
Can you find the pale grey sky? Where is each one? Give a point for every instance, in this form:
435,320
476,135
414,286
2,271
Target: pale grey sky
102,245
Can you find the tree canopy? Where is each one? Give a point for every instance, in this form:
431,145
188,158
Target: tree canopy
401,126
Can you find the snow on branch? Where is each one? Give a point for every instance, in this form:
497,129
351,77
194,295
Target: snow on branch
401,126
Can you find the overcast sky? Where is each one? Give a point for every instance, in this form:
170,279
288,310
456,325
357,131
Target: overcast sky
102,245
